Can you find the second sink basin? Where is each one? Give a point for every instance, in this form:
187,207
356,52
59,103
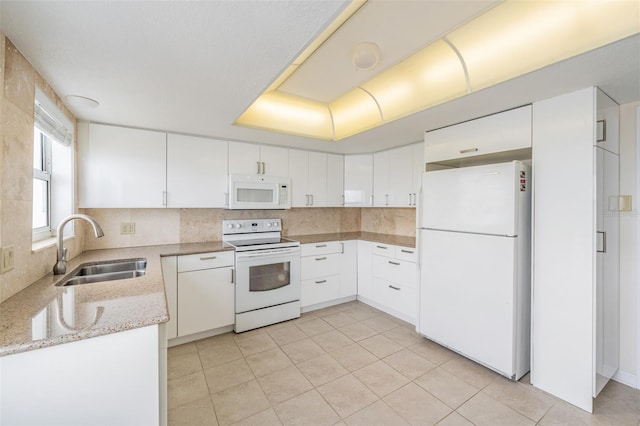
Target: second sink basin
118,270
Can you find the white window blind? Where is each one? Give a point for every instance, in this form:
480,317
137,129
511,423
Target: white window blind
51,120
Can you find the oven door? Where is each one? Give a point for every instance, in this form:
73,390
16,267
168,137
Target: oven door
267,278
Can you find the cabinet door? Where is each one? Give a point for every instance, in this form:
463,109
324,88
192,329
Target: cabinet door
418,167
275,159
607,268
196,172
349,269
299,174
607,123
244,158
122,168
358,180
205,300
381,179
365,269
170,277
505,131
335,180
401,177
318,179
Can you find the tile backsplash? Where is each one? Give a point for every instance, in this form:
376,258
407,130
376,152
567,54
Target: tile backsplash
171,226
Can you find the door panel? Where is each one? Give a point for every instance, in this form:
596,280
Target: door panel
467,295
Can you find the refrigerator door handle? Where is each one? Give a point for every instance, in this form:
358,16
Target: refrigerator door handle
602,242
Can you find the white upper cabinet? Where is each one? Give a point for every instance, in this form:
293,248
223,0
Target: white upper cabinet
607,123
417,158
335,180
358,180
196,172
381,186
308,172
251,159
121,167
394,178
505,131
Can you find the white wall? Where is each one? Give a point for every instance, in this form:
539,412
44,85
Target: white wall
629,246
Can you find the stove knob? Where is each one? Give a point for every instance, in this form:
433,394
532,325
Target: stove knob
230,225
238,226
275,224
269,224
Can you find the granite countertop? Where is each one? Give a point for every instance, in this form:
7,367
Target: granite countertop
44,314
398,240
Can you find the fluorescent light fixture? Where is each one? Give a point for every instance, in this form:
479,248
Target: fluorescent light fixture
509,40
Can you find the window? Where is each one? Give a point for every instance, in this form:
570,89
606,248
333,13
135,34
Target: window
52,167
41,184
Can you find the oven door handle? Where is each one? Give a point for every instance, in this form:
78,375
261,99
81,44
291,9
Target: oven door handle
287,253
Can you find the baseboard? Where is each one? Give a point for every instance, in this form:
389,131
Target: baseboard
330,303
626,379
198,336
387,310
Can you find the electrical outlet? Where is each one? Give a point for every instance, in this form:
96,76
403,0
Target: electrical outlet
7,259
127,227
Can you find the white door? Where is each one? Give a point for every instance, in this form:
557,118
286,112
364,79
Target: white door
401,177
318,179
275,160
299,174
358,180
205,300
196,172
467,295
479,199
122,168
244,158
381,179
335,180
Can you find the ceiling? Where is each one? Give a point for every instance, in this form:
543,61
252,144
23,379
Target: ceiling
194,66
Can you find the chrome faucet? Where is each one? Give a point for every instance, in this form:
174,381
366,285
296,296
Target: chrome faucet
61,264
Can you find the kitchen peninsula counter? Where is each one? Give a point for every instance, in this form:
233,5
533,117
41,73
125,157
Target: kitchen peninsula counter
398,240
44,315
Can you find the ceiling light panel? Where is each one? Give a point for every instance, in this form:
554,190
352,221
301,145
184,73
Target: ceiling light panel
430,77
354,112
517,37
289,114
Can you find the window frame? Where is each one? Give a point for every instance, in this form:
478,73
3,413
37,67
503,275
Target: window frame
43,174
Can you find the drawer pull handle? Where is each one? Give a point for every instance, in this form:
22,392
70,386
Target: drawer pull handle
320,245
208,258
321,258
407,251
466,151
395,263
321,282
394,287
382,247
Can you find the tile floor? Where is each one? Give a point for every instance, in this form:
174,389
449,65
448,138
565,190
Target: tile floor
352,364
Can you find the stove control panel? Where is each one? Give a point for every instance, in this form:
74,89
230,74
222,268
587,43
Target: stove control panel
248,226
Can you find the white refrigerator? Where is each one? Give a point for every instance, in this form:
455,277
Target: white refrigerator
474,234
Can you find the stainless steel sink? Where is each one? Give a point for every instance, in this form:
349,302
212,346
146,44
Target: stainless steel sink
120,270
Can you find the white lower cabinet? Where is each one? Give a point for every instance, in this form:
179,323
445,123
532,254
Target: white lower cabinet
328,272
200,292
365,269
394,277
205,300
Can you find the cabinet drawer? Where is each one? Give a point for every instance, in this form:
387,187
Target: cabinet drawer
398,297
384,249
195,262
399,271
320,290
406,253
315,249
320,266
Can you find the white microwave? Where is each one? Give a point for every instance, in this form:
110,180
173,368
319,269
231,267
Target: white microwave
259,192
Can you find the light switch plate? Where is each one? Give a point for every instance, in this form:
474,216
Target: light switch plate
7,259
624,203
127,227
